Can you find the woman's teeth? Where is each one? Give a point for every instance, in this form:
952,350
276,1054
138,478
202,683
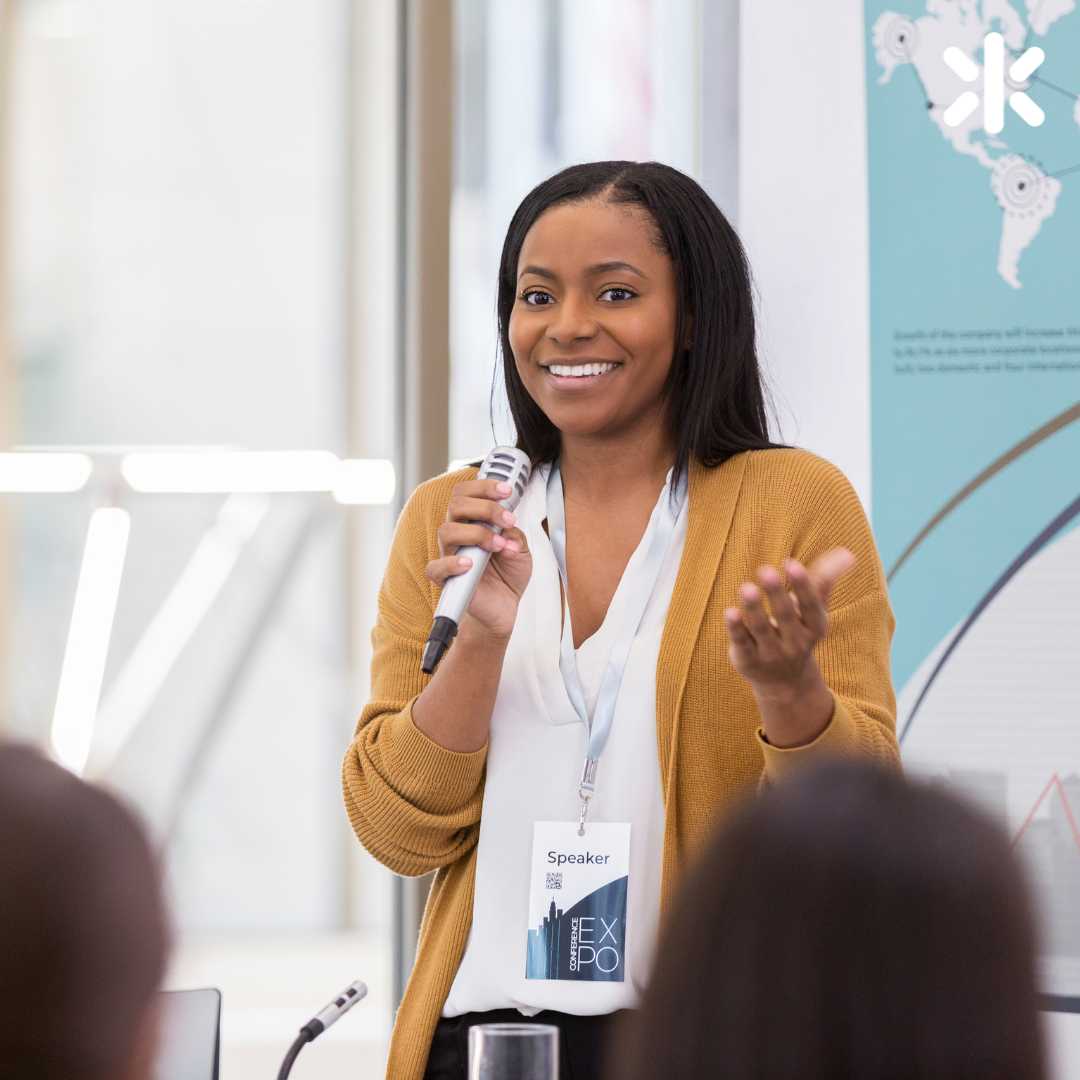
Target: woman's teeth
578,371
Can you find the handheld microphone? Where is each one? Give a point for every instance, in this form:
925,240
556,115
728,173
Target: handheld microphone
510,465
333,1012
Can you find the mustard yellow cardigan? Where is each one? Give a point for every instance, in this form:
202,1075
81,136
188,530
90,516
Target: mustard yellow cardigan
416,806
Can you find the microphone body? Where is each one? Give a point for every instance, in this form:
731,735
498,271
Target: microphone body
354,992
504,463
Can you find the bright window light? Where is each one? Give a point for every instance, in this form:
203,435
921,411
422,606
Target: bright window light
45,473
88,637
266,472
140,680
365,482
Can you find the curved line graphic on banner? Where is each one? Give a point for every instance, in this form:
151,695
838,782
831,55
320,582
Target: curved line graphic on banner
1040,434
1057,525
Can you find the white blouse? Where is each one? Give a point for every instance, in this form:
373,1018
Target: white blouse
535,753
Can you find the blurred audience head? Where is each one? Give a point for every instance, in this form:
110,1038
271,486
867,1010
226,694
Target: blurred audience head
847,923
83,933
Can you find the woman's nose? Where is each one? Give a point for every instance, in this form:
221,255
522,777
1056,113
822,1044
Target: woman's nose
571,321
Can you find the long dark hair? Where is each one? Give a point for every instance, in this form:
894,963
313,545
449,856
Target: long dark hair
846,924
716,401
83,932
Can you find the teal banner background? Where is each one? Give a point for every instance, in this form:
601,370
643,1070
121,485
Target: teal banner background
975,425
936,420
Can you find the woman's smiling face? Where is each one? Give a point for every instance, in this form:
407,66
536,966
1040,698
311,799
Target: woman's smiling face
593,325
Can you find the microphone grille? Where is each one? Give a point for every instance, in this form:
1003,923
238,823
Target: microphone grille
509,464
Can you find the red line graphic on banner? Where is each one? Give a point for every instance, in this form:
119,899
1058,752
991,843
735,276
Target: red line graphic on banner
1053,782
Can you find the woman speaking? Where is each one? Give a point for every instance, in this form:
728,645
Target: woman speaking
688,606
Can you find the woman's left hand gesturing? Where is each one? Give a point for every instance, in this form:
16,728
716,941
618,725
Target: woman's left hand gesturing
775,654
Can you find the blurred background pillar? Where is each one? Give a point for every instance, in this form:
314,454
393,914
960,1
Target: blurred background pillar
428,186
427,175
374,362
7,376
718,133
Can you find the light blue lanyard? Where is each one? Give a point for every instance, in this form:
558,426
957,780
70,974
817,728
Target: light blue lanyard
642,585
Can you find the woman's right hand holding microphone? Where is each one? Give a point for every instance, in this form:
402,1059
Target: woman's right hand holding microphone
493,608
454,710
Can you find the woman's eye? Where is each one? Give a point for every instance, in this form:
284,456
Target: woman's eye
537,298
617,293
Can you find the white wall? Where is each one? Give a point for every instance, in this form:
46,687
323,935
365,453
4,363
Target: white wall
803,217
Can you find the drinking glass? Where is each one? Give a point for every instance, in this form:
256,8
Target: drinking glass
513,1052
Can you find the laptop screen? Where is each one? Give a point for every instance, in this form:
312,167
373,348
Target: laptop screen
190,1022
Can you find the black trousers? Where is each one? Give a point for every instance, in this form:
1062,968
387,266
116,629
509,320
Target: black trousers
582,1042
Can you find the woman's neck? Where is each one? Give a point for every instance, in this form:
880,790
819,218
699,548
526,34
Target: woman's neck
601,471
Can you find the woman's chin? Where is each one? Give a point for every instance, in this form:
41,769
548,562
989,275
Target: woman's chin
579,427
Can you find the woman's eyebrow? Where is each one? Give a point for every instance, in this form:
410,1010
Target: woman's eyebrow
596,268
607,267
539,271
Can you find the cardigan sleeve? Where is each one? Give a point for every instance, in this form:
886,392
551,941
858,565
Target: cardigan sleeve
412,803
854,656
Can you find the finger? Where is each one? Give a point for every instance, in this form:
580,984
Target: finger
788,625
472,510
516,541
741,638
438,570
811,605
755,619
483,489
826,571
453,535
492,490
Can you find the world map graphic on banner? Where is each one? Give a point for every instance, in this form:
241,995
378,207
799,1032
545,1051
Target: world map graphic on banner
973,114
1026,194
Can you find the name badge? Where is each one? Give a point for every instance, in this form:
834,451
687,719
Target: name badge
577,902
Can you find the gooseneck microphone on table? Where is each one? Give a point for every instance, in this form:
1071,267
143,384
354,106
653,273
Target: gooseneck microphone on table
333,1012
511,466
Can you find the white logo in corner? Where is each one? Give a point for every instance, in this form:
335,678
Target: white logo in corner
994,85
